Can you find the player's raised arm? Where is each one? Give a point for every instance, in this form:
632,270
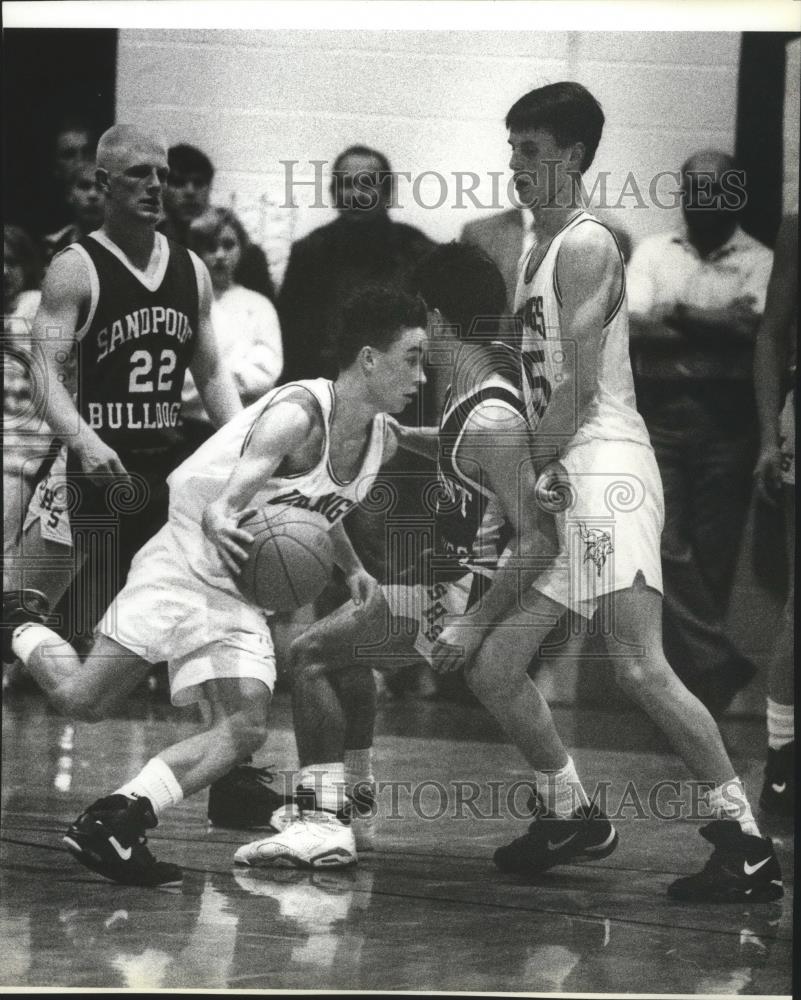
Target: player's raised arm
214,380
66,295
590,274
282,430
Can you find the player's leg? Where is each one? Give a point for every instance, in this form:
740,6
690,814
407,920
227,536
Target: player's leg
744,865
337,686
778,790
110,835
565,824
327,651
84,688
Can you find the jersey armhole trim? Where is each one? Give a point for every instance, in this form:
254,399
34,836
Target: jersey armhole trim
199,267
621,296
94,288
505,404
274,398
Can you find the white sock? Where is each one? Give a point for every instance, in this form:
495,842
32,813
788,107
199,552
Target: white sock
155,782
781,724
359,767
561,791
26,639
729,801
328,783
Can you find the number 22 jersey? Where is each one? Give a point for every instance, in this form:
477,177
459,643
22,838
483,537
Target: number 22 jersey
134,346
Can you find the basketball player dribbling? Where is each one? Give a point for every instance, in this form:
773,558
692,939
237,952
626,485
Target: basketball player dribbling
181,604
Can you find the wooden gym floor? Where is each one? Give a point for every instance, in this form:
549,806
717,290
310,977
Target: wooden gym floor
425,911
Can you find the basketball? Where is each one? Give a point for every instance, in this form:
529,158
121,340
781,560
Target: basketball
290,560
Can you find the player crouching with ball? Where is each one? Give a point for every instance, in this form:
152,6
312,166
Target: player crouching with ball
314,445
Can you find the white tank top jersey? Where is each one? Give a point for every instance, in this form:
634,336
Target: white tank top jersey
612,414
200,479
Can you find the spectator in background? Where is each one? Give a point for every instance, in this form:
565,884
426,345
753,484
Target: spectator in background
246,323
86,201
774,376
695,298
73,147
187,197
363,245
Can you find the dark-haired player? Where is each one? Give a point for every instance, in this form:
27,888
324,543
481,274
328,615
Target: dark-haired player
480,530
493,605
316,438
571,295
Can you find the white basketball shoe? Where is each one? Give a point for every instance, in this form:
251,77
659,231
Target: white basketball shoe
314,839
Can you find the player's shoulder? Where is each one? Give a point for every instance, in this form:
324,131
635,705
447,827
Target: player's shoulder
588,250
498,407
69,274
298,406
590,236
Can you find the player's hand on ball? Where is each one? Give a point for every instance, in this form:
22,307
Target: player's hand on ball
228,538
363,587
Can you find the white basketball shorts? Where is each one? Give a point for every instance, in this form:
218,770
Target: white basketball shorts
166,611
428,606
611,527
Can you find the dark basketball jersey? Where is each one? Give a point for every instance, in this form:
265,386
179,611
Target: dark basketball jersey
133,349
470,530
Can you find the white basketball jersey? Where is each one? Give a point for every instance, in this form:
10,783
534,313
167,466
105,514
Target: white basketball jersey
612,413
201,478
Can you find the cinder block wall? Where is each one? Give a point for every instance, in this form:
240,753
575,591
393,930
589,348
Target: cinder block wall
432,101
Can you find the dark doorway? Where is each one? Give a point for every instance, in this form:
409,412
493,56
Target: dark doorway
51,77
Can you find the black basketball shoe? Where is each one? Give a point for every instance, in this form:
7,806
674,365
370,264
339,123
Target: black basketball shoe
243,799
778,791
742,869
110,839
19,607
552,840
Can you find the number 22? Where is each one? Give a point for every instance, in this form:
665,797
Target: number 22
142,362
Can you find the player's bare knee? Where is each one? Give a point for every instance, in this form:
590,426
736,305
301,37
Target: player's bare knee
249,731
634,675
304,650
485,679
